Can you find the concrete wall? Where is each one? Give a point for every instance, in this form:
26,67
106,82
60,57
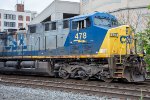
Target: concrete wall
56,10
131,12
88,6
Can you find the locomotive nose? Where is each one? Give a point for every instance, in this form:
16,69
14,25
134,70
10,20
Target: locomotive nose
118,41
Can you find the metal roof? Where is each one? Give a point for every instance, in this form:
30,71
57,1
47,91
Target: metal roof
101,14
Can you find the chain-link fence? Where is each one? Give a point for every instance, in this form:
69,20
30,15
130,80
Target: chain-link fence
136,17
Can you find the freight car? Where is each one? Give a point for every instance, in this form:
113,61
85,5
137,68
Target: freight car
85,46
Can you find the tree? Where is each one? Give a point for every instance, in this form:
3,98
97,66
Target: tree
144,42
149,7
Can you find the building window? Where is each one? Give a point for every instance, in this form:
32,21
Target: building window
20,25
20,17
9,24
12,24
14,17
53,25
5,16
27,18
10,16
5,24
47,27
0,15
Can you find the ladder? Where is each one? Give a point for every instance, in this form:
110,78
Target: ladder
119,69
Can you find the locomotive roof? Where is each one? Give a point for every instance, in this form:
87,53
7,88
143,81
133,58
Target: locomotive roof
103,15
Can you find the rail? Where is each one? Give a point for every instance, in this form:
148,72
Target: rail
126,91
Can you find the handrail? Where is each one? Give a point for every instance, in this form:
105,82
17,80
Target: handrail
120,53
113,46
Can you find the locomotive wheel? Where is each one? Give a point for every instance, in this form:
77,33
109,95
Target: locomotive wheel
83,75
85,78
108,80
64,74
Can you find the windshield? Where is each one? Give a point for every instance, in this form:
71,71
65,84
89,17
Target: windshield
101,21
114,23
105,22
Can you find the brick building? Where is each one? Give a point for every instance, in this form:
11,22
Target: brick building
14,20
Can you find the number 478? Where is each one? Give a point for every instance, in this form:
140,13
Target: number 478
80,36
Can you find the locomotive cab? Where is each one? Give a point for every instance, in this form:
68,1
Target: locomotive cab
91,30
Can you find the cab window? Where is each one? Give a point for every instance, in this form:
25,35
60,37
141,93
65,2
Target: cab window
114,22
81,24
74,25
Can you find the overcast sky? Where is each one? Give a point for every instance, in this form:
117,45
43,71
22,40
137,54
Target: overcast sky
33,5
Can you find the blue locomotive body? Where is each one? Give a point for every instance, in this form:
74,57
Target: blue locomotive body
59,37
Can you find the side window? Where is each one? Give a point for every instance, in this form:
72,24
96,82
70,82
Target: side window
74,25
81,24
33,29
88,23
53,26
65,24
47,27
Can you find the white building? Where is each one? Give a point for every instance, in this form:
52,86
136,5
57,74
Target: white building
14,20
88,6
58,10
132,12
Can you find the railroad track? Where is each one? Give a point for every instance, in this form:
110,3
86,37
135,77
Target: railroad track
92,89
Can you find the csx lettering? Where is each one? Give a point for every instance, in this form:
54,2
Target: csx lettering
126,39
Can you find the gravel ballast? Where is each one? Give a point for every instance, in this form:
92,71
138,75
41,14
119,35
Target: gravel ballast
23,93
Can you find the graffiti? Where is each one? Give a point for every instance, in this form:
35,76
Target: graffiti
15,43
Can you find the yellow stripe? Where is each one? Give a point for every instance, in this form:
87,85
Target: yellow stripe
49,57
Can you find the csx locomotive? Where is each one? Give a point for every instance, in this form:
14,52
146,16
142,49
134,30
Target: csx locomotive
85,46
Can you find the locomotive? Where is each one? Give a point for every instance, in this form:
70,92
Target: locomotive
85,46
